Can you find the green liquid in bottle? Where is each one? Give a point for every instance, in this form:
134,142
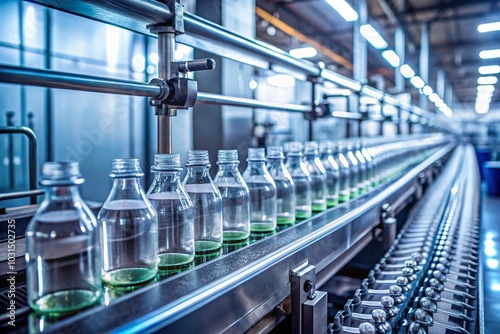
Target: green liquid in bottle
235,236
262,227
206,251
65,302
332,202
318,207
285,220
129,276
228,247
169,261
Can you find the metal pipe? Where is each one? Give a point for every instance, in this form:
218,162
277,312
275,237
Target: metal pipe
32,152
209,98
166,49
62,80
10,151
22,194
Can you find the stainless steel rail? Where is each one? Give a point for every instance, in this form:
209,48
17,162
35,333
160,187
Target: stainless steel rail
63,80
209,98
252,281
135,15
32,153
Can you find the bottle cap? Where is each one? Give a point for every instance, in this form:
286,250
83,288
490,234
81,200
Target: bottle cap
126,168
167,162
60,173
275,152
228,157
311,148
294,148
256,154
198,158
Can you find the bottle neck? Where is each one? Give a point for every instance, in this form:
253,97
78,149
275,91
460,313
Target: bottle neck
275,161
62,193
126,183
256,163
167,176
228,167
294,159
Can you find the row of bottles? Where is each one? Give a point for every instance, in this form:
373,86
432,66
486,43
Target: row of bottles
175,224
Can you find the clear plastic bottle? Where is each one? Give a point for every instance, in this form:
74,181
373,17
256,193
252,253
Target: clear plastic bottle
63,257
345,173
285,188
353,169
207,203
128,228
363,170
332,173
301,179
369,165
262,189
175,215
235,198
318,176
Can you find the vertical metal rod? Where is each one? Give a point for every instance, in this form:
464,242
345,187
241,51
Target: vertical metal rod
22,107
166,49
146,114
313,107
424,61
48,91
400,122
10,145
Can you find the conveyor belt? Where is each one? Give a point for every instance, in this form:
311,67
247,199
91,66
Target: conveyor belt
427,282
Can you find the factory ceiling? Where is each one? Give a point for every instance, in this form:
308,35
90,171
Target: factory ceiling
454,40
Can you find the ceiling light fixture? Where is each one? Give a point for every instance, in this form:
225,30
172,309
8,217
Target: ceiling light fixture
373,36
489,54
391,57
306,52
406,71
428,90
344,9
486,88
417,82
434,97
490,69
488,27
487,80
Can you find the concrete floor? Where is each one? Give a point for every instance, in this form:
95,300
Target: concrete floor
490,251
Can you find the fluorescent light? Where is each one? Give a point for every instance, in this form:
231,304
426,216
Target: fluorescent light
439,104
417,82
406,71
306,52
252,84
487,80
391,57
486,88
428,90
344,9
489,54
341,80
281,81
484,98
373,36
482,107
491,69
434,97
487,27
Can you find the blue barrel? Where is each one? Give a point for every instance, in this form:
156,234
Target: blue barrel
492,176
483,154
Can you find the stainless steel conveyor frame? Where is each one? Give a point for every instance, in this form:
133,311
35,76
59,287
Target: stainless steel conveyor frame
144,16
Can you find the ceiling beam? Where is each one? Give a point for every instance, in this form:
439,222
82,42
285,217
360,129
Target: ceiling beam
289,30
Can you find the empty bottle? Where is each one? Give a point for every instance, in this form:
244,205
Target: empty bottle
235,198
128,228
175,215
318,176
262,189
301,179
63,258
353,169
344,173
362,168
207,203
332,173
285,188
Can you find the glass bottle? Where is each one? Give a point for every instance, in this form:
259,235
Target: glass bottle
285,188
128,228
332,173
362,168
262,189
318,176
354,169
207,203
370,168
345,173
235,198
175,215
301,179
63,264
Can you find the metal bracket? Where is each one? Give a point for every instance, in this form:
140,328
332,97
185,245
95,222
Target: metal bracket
309,306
